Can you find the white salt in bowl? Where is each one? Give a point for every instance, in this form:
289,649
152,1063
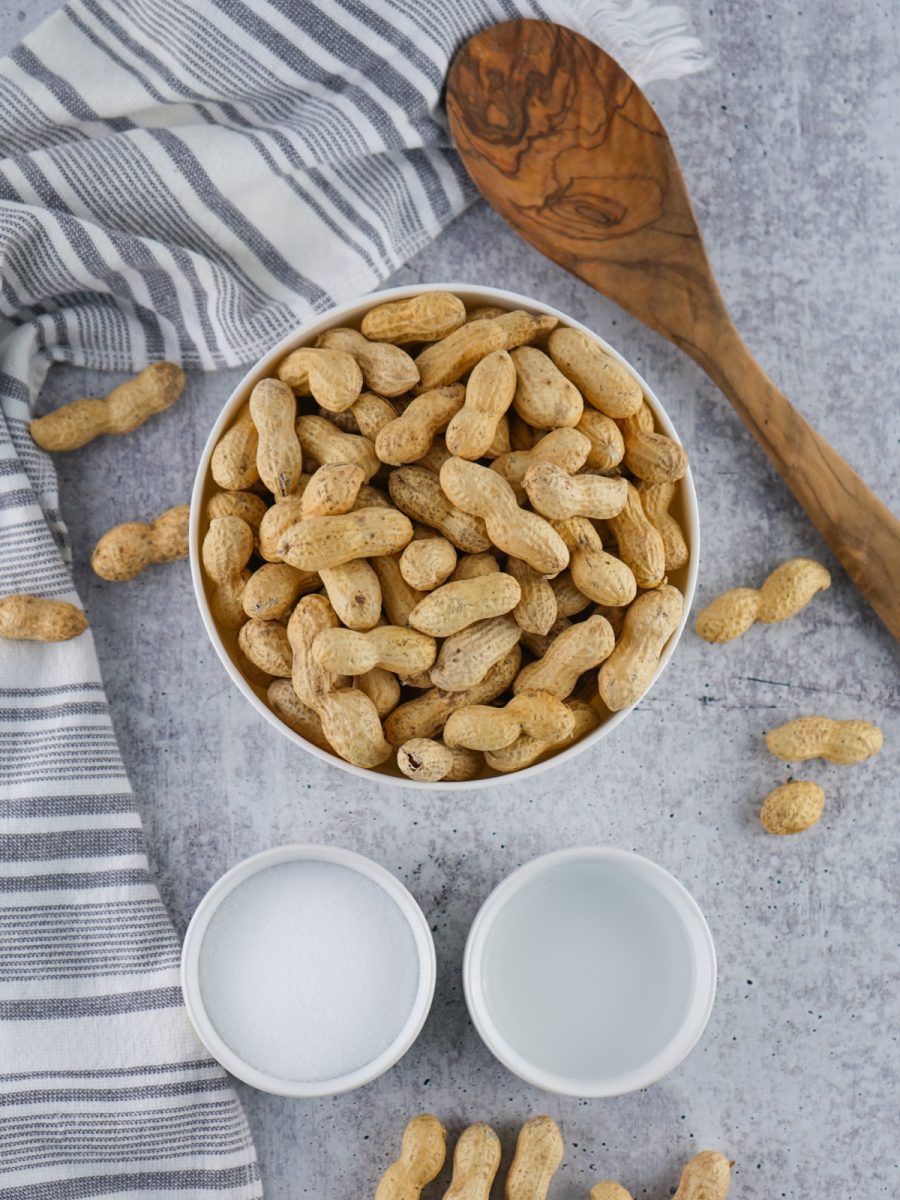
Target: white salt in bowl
590,972
308,970
224,641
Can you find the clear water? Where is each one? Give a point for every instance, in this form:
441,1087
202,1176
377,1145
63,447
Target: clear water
308,970
587,971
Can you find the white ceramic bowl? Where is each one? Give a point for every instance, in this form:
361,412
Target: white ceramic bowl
225,642
197,1009
538,991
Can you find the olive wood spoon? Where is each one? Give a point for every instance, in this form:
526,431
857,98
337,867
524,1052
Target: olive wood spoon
567,148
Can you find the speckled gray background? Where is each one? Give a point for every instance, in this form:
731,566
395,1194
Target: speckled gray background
790,143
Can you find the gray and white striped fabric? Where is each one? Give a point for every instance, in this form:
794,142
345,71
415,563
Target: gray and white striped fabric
180,179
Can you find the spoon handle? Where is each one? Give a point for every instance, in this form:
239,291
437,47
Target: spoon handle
863,533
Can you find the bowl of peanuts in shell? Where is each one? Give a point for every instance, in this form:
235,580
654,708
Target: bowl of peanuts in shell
444,535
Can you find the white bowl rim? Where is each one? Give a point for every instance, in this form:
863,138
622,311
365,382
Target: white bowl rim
472,293
307,852
704,977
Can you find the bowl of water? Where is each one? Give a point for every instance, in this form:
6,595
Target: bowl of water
590,972
308,970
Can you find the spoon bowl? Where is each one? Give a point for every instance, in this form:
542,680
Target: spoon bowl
565,145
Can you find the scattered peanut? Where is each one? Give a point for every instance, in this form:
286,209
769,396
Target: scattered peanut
648,625
476,1157
706,1177
841,742
430,762
788,589
125,550
728,616
422,1153
387,370
602,381
126,408
311,616
351,723
279,459
29,618
793,807
608,1189
539,1152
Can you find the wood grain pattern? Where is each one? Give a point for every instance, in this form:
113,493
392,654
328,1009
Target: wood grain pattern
567,148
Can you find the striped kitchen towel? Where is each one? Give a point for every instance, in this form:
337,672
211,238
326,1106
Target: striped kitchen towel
180,179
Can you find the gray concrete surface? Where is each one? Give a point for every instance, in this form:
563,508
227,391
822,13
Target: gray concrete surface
790,146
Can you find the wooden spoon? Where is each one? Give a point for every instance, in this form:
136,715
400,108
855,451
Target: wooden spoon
567,148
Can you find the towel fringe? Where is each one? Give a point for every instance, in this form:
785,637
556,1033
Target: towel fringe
651,41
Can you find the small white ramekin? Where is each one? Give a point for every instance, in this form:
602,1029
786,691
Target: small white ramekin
703,974
351,313
190,964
